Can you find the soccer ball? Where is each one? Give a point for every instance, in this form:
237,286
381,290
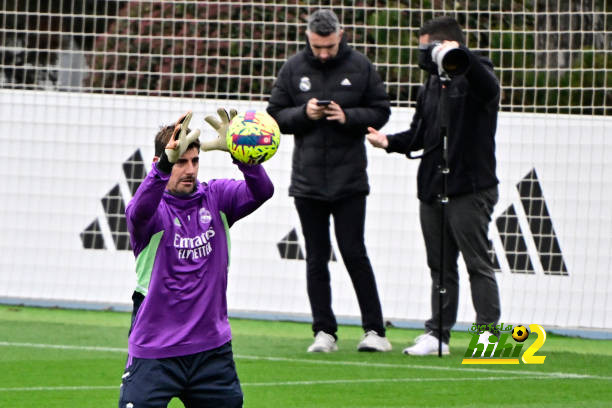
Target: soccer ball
253,137
520,333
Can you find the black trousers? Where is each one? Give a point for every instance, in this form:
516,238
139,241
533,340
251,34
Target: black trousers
349,222
467,223
205,379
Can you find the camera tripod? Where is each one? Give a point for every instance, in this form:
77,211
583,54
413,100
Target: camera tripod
443,198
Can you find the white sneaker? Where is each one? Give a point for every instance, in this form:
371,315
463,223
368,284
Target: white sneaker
426,344
323,343
373,342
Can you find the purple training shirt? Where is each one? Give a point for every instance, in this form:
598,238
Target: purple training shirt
181,247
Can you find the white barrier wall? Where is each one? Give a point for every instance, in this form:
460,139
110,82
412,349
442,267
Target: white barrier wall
63,153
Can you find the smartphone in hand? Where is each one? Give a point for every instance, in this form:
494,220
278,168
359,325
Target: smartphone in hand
323,102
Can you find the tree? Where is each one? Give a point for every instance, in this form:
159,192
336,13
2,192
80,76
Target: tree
35,31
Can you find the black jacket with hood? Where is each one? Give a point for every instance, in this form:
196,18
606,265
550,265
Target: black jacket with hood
473,105
329,158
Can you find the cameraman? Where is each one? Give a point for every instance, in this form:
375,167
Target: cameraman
473,100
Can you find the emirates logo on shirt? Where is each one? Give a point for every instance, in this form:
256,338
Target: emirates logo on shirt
194,247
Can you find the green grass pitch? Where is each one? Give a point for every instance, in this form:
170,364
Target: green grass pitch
68,358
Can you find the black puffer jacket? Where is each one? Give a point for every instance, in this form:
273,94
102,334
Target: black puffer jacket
474,102
329,159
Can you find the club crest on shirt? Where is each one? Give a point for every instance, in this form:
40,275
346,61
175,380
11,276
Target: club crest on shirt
305,84
205,216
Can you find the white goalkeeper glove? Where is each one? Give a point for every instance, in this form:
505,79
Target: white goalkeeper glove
180,140
220,143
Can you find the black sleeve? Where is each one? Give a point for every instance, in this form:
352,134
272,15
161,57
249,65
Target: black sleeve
411,139
481,77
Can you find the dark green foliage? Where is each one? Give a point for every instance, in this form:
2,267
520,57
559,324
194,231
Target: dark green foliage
550,55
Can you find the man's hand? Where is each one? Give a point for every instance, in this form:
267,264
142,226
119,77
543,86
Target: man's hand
333,111
220,143
180,140
377,139
314,111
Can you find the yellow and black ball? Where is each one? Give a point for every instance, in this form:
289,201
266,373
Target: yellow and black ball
520,333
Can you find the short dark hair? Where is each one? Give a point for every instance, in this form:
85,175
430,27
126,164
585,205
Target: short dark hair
323,22
163,137
443,28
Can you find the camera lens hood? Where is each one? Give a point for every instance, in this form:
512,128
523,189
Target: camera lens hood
451,60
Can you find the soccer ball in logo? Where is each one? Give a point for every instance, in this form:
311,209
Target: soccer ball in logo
520,333
253,137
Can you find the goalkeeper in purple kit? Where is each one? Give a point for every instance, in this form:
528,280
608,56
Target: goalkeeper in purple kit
180,339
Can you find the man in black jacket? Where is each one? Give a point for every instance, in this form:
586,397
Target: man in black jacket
326,95
471,192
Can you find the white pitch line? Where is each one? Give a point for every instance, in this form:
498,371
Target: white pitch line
395,380
293,383
332,362
64,347
63,388
425,367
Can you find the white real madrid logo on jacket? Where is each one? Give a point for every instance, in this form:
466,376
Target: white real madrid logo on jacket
305,84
